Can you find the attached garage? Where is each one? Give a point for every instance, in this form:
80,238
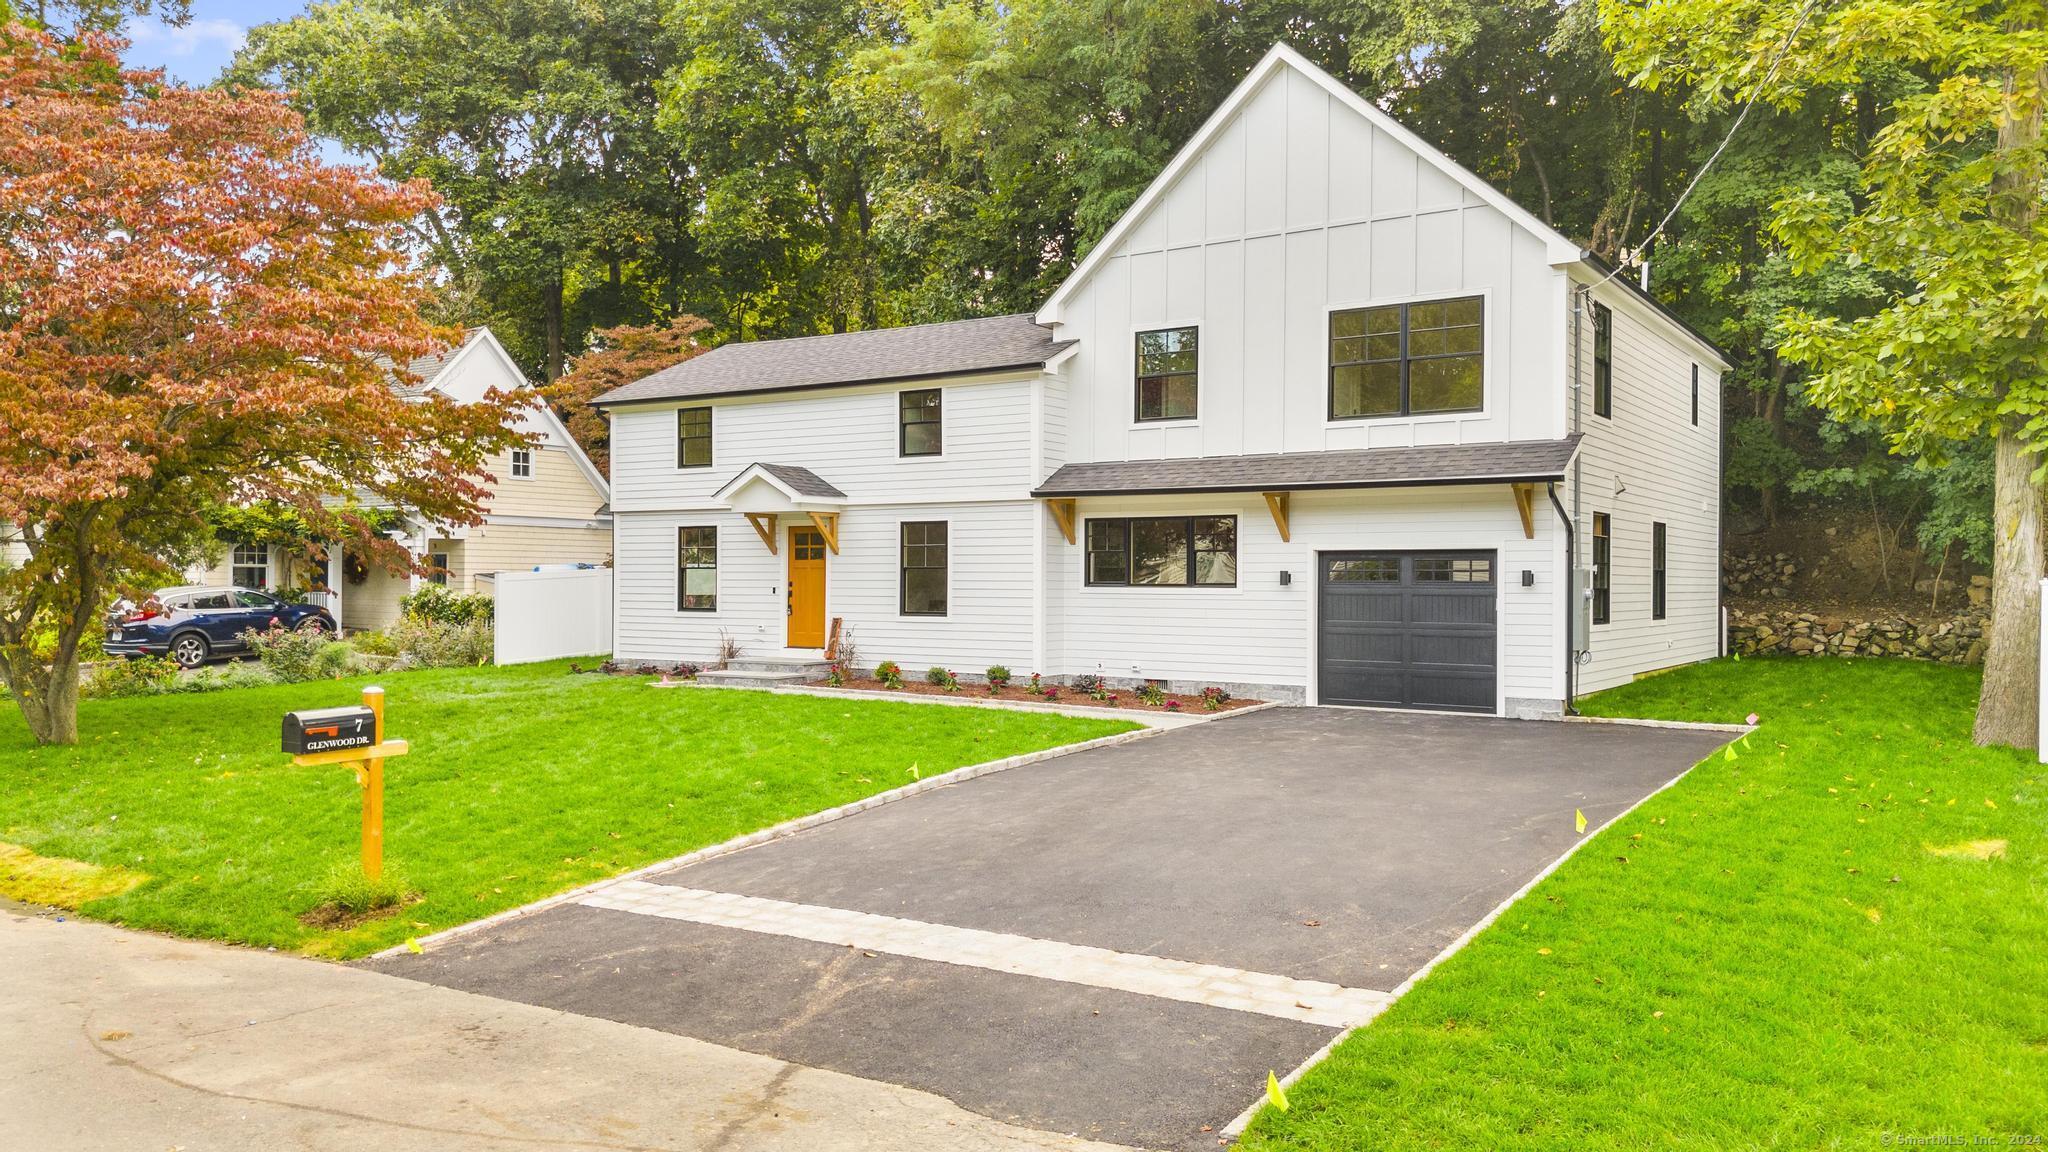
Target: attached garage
1407,630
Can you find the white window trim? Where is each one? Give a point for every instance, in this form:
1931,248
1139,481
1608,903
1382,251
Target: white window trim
1489,334
532,463
915,617
1131,377
269,565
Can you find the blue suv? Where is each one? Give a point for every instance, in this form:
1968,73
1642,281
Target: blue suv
193,624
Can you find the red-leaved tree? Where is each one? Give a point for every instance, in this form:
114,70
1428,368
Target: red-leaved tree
617,357
194,310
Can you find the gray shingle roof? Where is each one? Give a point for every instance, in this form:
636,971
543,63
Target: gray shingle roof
803,481
917,352
1294,471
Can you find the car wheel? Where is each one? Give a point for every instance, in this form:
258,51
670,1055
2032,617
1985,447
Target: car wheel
313,624
190,650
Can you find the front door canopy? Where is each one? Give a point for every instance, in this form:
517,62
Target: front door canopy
780,489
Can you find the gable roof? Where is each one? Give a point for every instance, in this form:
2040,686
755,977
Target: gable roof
916,352
424,370
1513,461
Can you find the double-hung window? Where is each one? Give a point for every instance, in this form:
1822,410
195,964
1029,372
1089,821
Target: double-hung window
697,569
1163,551
919,430
922,584
693,438
1167,374
250,566
1603,551
1408,359
1603,361
1656,571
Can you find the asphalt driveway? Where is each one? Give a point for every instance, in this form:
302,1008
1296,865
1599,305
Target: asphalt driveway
1118,943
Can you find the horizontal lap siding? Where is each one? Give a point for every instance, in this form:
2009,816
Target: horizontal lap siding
848,437
1667,470
988,616
1260,631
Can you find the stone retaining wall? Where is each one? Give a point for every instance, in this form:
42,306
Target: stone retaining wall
1957,639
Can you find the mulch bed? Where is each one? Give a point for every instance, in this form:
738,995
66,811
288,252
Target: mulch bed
1123,698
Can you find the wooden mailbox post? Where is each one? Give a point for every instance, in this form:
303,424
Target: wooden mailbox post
366,758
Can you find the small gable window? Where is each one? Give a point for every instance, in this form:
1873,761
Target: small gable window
1167,371
1408,359
522,463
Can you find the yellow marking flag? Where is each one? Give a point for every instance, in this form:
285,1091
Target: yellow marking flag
1579,821
1275,1095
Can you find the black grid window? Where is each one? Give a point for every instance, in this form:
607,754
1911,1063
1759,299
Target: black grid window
1167,374
693,438
1163,551
923,584
522,463
1656,571
1453,570
1408,359
1602,551
697,569
1603,361
919,430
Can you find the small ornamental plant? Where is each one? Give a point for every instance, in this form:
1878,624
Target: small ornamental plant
1173,705
1101,692
939,677
1050,692
999,677
889,673
1034,687
1090,683
1151,693
1214,698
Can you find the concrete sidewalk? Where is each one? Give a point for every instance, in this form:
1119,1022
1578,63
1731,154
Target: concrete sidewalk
120,1040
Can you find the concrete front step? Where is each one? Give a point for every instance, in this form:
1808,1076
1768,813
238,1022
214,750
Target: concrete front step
756,678
811,666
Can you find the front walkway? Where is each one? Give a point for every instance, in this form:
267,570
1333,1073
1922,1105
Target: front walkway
119,1040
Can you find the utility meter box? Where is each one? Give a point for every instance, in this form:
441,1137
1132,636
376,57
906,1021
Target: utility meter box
327,729
1582,608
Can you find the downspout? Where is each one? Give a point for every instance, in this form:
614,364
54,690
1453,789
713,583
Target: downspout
1570,609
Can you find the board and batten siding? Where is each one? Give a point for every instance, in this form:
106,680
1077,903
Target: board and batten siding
1300,205
1650,464
1262,632
989,599
845,435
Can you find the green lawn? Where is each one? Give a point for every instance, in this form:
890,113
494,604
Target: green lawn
522,782
1780,962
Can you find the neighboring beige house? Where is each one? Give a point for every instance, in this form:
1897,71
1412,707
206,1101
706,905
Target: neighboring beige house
549,506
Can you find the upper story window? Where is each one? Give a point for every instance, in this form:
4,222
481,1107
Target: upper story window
1408,359
1603,361
1657,578
1167,370
1176,551
693,438
919,428
1695,395
522,463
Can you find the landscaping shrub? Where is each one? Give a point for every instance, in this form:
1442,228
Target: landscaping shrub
292,657
435,603
1090,684
941,678
142,676
889,673
432,644
1151,693
998,677
1214,698
374,643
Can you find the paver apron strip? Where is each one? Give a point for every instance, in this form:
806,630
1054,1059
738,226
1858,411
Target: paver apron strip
1309,1001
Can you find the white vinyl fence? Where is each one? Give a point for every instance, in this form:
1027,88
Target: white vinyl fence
552,612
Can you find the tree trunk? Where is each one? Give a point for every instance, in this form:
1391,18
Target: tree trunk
2008,708
551,322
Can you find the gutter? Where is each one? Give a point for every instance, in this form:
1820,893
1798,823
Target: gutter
1282,483
1569,708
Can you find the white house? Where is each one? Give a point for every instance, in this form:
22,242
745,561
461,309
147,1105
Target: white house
547,506
1324,417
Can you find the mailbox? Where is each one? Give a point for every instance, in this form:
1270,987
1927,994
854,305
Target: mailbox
326,729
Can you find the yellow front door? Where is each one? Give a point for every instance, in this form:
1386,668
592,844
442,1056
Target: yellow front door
806,588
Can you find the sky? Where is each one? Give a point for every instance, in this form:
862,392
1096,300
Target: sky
196,53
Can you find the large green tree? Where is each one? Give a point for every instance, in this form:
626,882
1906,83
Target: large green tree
1948,203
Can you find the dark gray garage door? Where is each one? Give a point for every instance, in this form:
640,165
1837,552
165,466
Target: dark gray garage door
1408,630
